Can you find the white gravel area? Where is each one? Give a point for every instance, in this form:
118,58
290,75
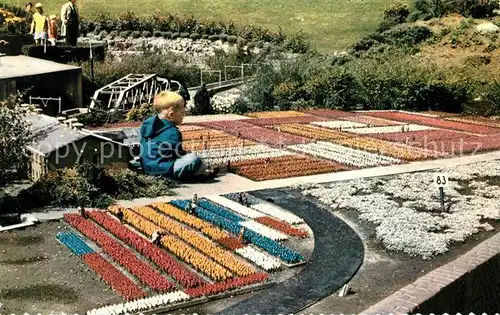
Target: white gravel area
406,208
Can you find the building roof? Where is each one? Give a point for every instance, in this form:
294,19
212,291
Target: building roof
23,66
51,135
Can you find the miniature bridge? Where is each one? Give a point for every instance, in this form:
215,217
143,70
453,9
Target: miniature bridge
130,91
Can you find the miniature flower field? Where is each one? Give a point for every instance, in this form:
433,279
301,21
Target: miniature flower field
215,246
274,145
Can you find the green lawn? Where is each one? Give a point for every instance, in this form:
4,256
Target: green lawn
328,24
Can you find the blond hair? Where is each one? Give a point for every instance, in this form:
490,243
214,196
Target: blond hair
167,99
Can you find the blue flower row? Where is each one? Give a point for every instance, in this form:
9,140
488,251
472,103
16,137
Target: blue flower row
210,206
210,213
74,243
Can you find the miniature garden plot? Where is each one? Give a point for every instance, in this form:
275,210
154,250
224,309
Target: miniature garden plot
339,124
284,167
276,114
208,118
329,113
235,154
388,129
219,246
285,120
313,132
483,121
436,122
372,121
206,139
343,155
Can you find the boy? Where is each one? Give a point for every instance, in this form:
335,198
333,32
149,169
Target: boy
161,143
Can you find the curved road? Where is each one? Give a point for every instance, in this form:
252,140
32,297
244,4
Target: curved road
338,253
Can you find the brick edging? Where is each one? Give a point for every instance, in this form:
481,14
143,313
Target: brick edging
407,299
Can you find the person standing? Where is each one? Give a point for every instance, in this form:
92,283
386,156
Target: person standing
52,30
28,15
70,21
39,25
202,104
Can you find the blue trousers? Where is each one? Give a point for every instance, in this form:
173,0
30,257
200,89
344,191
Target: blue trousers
188,166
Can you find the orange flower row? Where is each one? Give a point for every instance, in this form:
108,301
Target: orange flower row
203,134
220,255
286,166
278,114
229,142
192,221
176,246
313,132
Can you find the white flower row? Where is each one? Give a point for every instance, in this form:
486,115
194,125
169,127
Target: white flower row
343,154
264,230
261,259
387,129
236,207
140,305
336,124
276,212
234,154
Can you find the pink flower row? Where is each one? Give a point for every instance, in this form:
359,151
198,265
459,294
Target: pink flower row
284,120
182,275
230,284
145,273
436,122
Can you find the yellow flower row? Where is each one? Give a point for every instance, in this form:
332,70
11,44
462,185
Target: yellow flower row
384,148
222,256
313,132
279,114
175,246
192,221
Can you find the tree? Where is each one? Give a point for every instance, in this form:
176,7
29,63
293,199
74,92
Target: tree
15,135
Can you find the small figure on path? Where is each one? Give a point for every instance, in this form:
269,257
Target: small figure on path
53,29
202,104
119,215
82,211
156,237
70,21
194,200
183,91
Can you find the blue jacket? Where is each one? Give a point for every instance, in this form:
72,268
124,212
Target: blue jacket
161,145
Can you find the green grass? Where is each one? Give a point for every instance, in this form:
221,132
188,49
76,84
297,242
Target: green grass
329,24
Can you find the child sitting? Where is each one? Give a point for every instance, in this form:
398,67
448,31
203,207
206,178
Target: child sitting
161,143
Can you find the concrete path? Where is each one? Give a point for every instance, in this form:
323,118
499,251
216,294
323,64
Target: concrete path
231,183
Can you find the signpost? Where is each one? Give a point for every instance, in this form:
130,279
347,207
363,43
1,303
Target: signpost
441,181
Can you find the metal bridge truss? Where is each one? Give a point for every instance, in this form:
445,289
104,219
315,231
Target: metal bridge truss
130,91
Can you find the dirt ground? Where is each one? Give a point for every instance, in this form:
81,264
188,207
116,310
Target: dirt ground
39,275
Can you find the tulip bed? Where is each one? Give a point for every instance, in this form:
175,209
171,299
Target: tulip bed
74,243
277,114
264,230
338,124
483,121
261,259
236,207
223,212
282,226
179,248
344,154
387,129
284,167
372,121
113,277
145,273
230,284
284,120
203,134
313,132
436,122
183,128
119,125
419,136
398,151
204,245
202,145
235,154
329,113
183,276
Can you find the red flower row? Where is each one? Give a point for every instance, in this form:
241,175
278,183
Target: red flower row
224,286
284,120
282,226
113,277
331,113
145,273
436,122
230,242
185,277
124,124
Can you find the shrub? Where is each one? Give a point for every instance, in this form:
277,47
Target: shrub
468,8
232,39
175,35
214,37
184,35
136,34
241,41
157,33
146,34
140,113
96,118
124,34
407,35
398,13
259,44
166,34
205,36
491,97
195,36
297,44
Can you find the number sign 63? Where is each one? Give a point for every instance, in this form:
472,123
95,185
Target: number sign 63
440,180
